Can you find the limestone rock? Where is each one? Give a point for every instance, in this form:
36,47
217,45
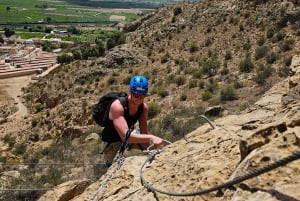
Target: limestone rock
65,191
207,157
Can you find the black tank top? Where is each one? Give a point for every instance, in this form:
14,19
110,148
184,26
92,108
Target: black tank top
110,134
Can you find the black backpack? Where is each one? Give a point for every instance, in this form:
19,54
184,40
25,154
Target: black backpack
100,111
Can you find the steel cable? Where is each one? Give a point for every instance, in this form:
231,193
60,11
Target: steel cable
236,180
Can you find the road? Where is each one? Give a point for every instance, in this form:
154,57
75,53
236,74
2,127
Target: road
11,88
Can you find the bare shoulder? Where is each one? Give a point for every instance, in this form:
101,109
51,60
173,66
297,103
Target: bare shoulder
116,109
116,106
145,106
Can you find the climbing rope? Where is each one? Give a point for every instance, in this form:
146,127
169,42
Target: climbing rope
236,180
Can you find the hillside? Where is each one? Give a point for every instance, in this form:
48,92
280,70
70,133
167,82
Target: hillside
199,57
237,147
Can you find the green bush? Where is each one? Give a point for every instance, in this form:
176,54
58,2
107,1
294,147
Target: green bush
287,61
10,140
283,71
54,175
224,71
65,59
262,73
181,62
34,137
210,66
192,83
228,93
246,65
116,39
212,85
78,90
3,159
177,10
164,58
34,122
167,121
286,45
271,57
197,73
208,41
202,84
278,36
233,20
228,55
183,97
126,80
270,33
261,52
241,27
206,95
20,148
190,70
170,78
68,115
247,46
193,48
153,110
161,92
111,80
39,107
180,80
155,71
261,41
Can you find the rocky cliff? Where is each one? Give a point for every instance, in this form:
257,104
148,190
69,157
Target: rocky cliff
265,133
229,55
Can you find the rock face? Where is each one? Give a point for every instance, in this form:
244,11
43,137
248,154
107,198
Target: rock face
66,191
121,58
267,132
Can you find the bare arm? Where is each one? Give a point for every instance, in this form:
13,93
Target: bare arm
116,114
143,120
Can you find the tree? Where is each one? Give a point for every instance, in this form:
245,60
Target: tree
1,39
177,11
210,66
48,29
48,19
8,32
101,48
7,8
110,43
76,54
74,30
64,59
116,39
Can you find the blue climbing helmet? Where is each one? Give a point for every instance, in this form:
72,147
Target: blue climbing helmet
139,85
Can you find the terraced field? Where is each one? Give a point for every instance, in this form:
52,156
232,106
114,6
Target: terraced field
57,11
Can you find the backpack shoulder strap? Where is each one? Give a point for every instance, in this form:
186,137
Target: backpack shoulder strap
124,102
140,110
